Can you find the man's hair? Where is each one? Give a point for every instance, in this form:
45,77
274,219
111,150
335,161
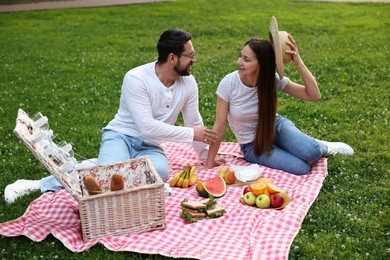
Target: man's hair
172,41
266,91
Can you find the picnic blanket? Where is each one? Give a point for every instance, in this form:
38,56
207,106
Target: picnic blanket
243,232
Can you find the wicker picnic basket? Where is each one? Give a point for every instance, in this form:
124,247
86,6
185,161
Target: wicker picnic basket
140,207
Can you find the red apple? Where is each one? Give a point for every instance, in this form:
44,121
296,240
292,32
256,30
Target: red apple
277,200
246,190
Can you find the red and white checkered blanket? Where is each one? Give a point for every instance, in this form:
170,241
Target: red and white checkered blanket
243,232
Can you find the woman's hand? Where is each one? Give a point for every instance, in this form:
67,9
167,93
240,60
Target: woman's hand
217,162
309,91
296,58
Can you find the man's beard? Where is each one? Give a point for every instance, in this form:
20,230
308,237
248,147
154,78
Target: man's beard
183,72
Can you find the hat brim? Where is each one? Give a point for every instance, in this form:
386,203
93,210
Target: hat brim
274,39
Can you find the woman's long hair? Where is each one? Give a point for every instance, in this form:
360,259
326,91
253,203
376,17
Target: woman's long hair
266,91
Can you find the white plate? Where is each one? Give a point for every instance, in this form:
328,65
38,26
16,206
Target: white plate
247,173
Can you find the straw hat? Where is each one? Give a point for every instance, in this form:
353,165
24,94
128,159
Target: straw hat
278,40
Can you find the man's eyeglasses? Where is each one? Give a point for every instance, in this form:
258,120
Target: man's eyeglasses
191,55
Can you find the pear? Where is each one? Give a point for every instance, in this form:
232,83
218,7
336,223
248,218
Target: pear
222,171
230,177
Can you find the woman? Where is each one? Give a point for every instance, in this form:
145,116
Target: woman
247,98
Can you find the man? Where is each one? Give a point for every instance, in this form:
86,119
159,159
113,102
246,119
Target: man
152,97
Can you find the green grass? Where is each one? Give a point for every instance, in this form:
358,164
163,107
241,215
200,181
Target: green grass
69,64
7,2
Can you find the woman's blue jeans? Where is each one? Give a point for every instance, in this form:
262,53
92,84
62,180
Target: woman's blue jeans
293,150
116,147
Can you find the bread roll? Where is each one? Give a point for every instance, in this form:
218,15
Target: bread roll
91,185
117,182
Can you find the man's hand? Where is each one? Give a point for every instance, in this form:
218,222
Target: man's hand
205,135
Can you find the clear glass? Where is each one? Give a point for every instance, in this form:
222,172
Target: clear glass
57,156
66,148
67,166
40,121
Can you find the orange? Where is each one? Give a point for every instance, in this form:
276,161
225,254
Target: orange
272,188
258,188
266,192
264,181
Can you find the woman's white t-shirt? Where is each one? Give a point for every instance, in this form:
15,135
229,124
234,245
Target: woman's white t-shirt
242,114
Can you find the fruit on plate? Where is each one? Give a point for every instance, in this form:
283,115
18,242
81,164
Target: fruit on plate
266,192
246,190
263,201
230,177
249,198
215,186
266,195
272,188
258,188
277,200
284,194
265,181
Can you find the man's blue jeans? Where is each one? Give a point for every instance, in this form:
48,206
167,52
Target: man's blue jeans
293,150
116,147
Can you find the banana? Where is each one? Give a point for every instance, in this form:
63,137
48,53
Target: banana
193,179
185,178
182,176
192,171
185,182
175,179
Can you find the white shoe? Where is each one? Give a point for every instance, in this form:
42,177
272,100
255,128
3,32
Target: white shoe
335,148
20,188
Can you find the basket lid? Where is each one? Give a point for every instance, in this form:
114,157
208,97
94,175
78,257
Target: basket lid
39,141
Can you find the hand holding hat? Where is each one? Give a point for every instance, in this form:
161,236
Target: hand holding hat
280,40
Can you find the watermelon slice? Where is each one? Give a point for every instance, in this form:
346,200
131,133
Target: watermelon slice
215,186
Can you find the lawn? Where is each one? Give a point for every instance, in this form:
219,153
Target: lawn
7,2
69,65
